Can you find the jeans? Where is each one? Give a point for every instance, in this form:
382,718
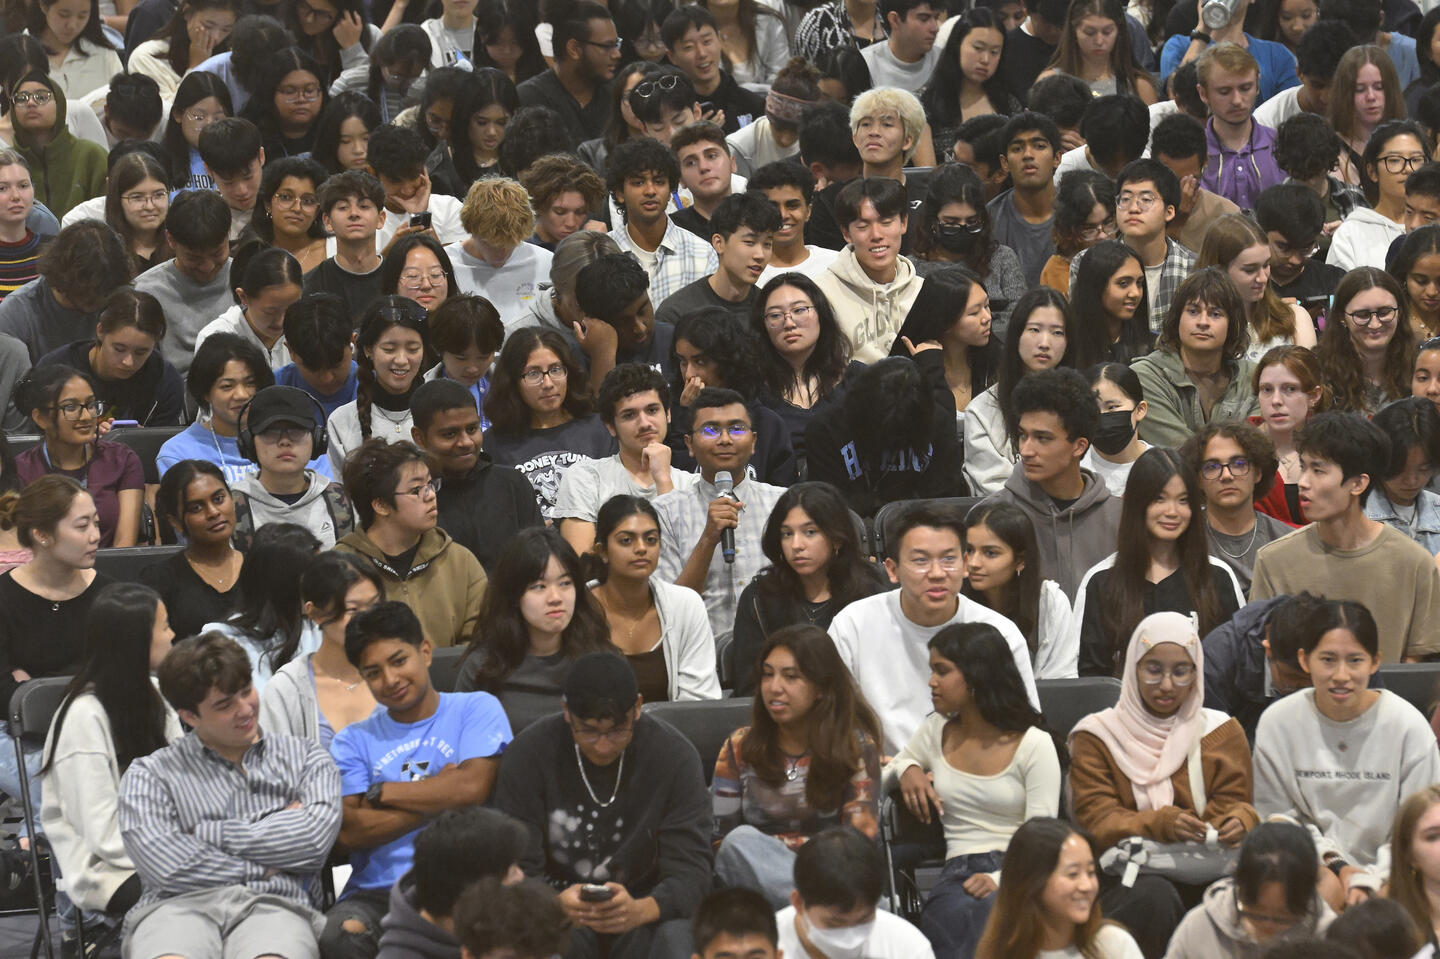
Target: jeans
952,919
755,860
670,939
367,906
10,772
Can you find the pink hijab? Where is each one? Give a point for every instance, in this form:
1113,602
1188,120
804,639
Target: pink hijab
1147,748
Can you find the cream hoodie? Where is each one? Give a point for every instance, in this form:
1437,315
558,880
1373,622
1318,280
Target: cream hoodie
870,313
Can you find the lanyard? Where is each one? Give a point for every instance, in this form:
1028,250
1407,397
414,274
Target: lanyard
52,468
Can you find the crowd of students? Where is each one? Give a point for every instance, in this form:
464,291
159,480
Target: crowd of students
597,339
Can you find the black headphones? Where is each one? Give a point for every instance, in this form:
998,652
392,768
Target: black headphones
319,437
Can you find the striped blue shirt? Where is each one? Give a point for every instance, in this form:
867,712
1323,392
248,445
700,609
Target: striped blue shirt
192,820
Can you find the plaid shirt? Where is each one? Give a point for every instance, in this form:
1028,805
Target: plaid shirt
683,513
1347,197
1179,263
825,28
680,259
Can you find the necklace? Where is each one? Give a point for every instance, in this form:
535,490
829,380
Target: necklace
619,774
199,571
1254,531
792,766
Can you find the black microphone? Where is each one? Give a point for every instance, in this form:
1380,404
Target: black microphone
725,486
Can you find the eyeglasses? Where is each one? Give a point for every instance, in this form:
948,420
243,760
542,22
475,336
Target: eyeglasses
947,563
606,45
420,491
299,94
38,97
304,11
74,412
202,119
646,89
799,313
556,373
414,279
1100,231
1302,251
1373,317
1395,163
1238,467
155,198
973,225
1264,919
1144,200
307,201
284,434
616,734
737,431
1153,674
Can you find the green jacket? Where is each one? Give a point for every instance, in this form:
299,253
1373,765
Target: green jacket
1174,402
68,169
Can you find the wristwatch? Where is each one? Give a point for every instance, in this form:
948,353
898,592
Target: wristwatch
372,795
1202,36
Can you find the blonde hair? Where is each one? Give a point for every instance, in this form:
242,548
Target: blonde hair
1227,237
1227,56
1406,885
497,209
891,100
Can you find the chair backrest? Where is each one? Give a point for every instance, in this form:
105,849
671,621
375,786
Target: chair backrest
1066,701
146,442
901,826
34,705
126,563
20,442
1417,683
886,516
445,666
707,723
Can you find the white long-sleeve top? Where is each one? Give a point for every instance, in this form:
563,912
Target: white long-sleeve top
989,456
79,810
981,813
1344,781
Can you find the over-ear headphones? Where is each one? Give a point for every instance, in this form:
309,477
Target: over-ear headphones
319,437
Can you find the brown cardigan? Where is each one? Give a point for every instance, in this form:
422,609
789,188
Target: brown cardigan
1104,803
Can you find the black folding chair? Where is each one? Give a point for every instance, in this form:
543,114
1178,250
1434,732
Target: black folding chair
909,845
32,707
887,515
1417,683
707,723
445,667
126,562
1065,702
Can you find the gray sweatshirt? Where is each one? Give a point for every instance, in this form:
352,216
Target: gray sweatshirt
34,317
188,307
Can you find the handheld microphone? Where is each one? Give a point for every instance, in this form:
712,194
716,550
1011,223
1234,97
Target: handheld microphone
725,486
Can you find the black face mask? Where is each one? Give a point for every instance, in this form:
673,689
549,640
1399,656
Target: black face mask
956,239
1115,433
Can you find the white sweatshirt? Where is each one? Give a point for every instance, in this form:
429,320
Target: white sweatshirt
79,808
1344,781
888,656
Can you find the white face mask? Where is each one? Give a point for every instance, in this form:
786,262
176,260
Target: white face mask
846,943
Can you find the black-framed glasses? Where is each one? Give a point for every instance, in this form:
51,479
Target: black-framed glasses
299,94
1238,467
432,487
1373,317
304,11
646,89
74,411
556,374
1394,163
286,433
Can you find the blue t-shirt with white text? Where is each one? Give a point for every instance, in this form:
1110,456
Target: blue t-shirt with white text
378,749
